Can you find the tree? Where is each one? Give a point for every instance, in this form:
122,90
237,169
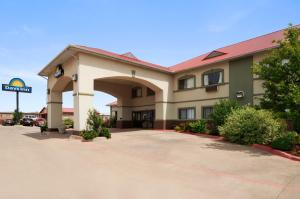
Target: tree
17,116
281,74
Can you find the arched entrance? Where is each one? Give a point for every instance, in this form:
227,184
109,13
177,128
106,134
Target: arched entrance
135,100
55,101
143,90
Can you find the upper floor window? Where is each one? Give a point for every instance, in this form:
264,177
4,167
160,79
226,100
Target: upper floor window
213,77
187,82
187,113
136,92
150,92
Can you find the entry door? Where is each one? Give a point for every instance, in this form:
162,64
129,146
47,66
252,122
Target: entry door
143,119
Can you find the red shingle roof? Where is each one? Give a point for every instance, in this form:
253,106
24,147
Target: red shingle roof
243,48
65,110
247,47
115,103
123,57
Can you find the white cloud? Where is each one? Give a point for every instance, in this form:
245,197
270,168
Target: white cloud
24,30
28,75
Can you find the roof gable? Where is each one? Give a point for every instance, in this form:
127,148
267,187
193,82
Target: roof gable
130,55
213,54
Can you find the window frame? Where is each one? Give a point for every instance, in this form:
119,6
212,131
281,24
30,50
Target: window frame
211,72
202,109
134,90
186,77
186,108
150,92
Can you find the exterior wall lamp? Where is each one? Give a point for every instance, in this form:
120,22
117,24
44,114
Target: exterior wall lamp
74,77
240,94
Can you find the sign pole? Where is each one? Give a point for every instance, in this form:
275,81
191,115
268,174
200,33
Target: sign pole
17,95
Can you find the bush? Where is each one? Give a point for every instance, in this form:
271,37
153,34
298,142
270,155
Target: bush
295,116
44,127
17,116
68,123
198,126
177,128
249,126
89,135
286,142
185,126
113,121
94,121
104,132
220,112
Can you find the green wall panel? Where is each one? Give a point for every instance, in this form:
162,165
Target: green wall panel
241,79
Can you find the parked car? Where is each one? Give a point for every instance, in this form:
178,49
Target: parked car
8,122
40,122
27,122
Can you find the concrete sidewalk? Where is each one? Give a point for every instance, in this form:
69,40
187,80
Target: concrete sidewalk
138,164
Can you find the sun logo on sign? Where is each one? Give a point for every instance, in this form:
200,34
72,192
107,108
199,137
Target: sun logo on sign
17,82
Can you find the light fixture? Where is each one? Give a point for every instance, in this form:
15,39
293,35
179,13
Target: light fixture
240,94
133,73
74,77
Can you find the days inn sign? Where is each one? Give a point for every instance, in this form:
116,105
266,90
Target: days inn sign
16,85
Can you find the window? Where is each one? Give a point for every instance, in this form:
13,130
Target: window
186,113
150,92
136,92
213,77
206,111
186,82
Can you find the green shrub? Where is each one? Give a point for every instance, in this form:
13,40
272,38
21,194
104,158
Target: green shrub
249,126
94,121
177,128
89,135
44,127
113,121
220,112
286,142
185,126
104,132
198,126
68,123
295,116
212,128
17,116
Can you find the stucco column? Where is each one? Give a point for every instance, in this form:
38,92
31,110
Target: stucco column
161,108
54,110
83,101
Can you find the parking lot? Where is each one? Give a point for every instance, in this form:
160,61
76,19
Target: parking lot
138,164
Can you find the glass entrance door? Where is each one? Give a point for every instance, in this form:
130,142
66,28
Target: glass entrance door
143,119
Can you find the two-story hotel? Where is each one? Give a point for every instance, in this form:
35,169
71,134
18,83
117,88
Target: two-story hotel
152,96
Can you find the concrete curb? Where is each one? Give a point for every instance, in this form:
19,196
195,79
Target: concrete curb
276,152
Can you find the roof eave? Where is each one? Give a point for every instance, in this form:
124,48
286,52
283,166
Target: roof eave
83,50
121,60
42,72
226,59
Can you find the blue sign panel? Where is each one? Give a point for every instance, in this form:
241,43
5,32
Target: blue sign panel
16,85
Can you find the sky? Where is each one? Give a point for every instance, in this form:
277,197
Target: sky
165,32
